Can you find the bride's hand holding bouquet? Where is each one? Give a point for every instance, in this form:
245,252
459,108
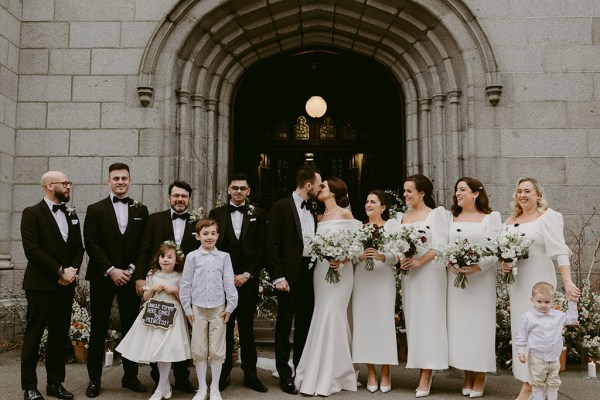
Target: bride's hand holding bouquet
337,247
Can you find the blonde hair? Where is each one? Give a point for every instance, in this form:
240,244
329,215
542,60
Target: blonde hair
542,204
543,288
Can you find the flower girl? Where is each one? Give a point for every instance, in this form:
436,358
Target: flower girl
160,333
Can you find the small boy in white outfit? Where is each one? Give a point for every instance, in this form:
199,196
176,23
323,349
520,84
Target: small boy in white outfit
540,331
208,296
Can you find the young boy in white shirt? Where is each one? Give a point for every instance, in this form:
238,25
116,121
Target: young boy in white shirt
540,331
208,296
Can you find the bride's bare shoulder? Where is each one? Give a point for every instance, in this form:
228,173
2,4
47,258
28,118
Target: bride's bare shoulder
346,214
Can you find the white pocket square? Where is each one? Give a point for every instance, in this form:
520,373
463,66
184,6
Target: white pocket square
138,219
74,221
252,219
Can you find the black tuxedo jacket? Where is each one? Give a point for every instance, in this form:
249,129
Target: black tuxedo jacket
45,248
104,242
159,228
253,238
284,240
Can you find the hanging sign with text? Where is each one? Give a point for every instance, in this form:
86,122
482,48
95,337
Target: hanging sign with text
159,314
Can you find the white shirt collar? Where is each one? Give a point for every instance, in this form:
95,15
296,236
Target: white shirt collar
214,251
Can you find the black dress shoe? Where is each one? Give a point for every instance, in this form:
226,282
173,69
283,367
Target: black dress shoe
133,384
58,390
93,389
287,385
224,381
185,386
254,383
33,394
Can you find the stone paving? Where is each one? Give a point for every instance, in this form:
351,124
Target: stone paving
446,384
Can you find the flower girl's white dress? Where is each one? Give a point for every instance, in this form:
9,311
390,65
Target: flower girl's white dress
145,344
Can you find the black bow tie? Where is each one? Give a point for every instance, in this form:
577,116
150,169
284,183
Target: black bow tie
182,216
233,208
305,204
124,200
61,207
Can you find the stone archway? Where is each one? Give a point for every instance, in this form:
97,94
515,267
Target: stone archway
435,49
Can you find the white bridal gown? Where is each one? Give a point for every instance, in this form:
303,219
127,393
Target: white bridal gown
548,244
373,304
326,363
472,311
424,299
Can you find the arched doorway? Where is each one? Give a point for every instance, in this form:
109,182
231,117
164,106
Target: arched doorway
436,51
360,137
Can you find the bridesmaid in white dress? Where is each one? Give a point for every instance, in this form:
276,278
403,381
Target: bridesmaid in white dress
472,308
424,287
373,302
326,363
531,216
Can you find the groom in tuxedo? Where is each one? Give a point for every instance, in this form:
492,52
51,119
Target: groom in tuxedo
243,235
51,237
112,231
291,222
172,224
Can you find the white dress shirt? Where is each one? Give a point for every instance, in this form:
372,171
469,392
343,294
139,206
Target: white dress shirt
207,281
542,333
122,213
307,222
178,228
61,219
237,217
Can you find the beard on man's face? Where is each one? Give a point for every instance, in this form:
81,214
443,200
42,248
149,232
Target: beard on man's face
62,196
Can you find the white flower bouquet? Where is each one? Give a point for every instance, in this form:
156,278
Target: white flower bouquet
461,253
333,245
407,242
371,236
510,247
79,330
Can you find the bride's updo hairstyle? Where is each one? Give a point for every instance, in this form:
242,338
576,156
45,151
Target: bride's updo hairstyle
423,184
339,190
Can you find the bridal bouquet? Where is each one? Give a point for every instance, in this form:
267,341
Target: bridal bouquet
370,236
333,245
510,247
462,253
407,242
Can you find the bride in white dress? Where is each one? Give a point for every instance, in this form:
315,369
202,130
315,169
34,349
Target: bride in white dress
326,364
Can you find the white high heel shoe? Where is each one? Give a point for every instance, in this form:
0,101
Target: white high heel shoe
424,393
372,389
475,393
466,391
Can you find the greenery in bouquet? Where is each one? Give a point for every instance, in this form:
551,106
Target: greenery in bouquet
333,245
509,247
461,253
267,299
371,236
398,204
407,242
399,311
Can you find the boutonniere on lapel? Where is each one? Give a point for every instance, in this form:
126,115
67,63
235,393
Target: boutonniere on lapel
250,209
196,216
312,204
71,212
135,204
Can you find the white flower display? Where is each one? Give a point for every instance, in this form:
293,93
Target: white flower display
334,245
406,243
461,253
509,247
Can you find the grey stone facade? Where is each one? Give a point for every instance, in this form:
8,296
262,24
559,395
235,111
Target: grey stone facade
495,89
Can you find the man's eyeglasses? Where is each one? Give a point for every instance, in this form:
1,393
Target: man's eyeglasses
180,196
241,188
64,183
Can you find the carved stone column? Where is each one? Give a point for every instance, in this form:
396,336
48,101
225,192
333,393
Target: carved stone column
413,162
424,135
439,148
211,162
199,146
184,139
455,167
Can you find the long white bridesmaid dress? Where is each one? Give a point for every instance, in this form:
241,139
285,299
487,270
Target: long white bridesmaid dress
424,299
548,244
472,311
326,363
373,303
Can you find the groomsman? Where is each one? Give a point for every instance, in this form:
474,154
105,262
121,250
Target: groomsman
51,237
243,234
291,222
112,231
172,224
